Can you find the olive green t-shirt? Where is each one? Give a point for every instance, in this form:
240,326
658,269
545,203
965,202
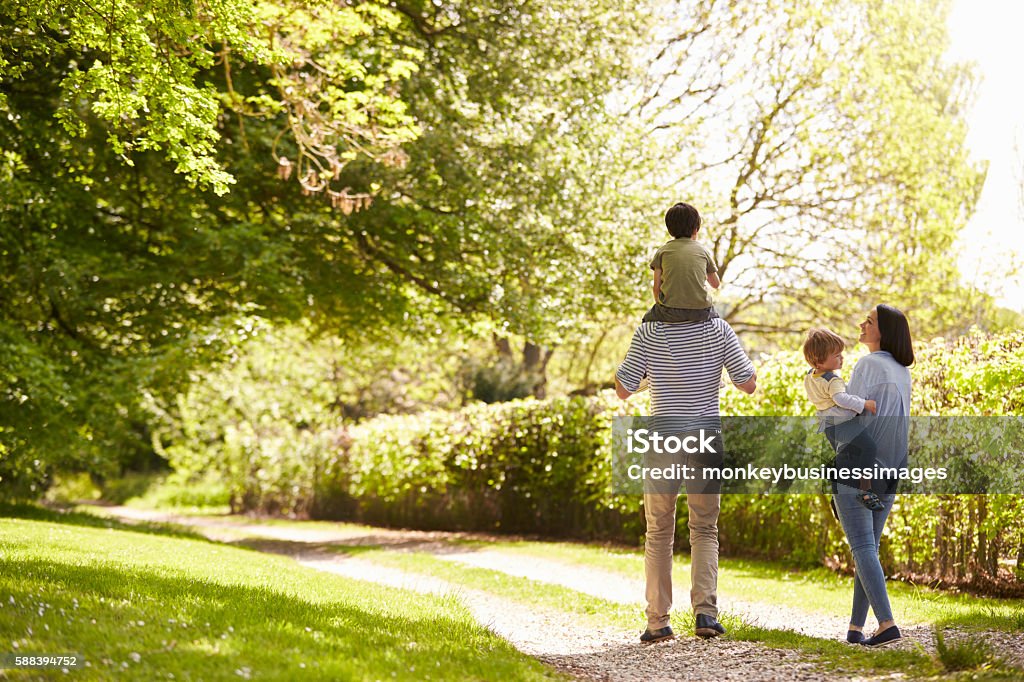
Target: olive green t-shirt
685,265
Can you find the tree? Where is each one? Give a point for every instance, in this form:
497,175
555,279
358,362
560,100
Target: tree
145,219
826,144
125,262
520,206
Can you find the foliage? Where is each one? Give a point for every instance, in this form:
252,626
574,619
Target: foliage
266,417
544,467
518,178
826,145
118,276
780,387
498,382
587,359
141,70
123,272
178,491
973,374
525,204
519,467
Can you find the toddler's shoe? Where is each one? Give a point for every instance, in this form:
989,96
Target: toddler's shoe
870,500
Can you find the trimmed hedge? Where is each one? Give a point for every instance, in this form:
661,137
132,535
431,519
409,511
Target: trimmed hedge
543,467
525,466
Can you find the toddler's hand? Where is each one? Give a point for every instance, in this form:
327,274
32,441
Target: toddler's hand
871,406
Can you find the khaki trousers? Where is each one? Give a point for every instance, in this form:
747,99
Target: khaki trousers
660,510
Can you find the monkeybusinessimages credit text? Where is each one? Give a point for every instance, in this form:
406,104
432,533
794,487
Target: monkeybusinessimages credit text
703,442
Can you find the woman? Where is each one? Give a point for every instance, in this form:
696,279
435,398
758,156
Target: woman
883,377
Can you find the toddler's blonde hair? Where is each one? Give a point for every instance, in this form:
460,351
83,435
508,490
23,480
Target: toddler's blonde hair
821,343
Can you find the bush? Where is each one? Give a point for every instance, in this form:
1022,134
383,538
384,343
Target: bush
544,466
525,466
177,491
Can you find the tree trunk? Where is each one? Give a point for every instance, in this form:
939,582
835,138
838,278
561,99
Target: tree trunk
504,347
942,560
593,356
535,366
531,366
1020,557
983,547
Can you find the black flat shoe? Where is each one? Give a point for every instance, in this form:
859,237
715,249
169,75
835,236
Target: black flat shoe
887,636
854,636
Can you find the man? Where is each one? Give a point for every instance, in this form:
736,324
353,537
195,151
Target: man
683,362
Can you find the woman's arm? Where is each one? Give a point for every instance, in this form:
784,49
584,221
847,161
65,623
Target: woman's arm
859,378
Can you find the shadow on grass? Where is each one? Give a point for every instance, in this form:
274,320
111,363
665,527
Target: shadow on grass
32,512
351,547
146,623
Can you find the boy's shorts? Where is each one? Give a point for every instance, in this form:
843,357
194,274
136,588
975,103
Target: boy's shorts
663,313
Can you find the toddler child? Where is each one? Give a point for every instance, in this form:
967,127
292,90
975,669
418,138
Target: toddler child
836,408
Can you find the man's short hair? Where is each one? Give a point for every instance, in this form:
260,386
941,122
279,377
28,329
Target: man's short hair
682,220
820,344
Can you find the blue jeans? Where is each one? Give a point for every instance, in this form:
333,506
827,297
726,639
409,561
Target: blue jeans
863,529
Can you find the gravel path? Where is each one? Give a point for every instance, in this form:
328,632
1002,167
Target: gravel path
601,654
614,587
584,651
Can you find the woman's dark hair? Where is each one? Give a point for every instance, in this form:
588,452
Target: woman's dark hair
895,334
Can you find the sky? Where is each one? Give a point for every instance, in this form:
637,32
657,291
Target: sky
983,31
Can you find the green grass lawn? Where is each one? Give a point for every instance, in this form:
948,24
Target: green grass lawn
814,590
817,590
151,603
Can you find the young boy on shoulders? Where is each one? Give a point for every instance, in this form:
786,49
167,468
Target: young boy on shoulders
682,269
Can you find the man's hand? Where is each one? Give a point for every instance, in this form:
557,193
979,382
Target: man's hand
871,406
620,390
748,386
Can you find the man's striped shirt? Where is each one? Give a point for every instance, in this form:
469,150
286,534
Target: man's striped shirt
684,362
